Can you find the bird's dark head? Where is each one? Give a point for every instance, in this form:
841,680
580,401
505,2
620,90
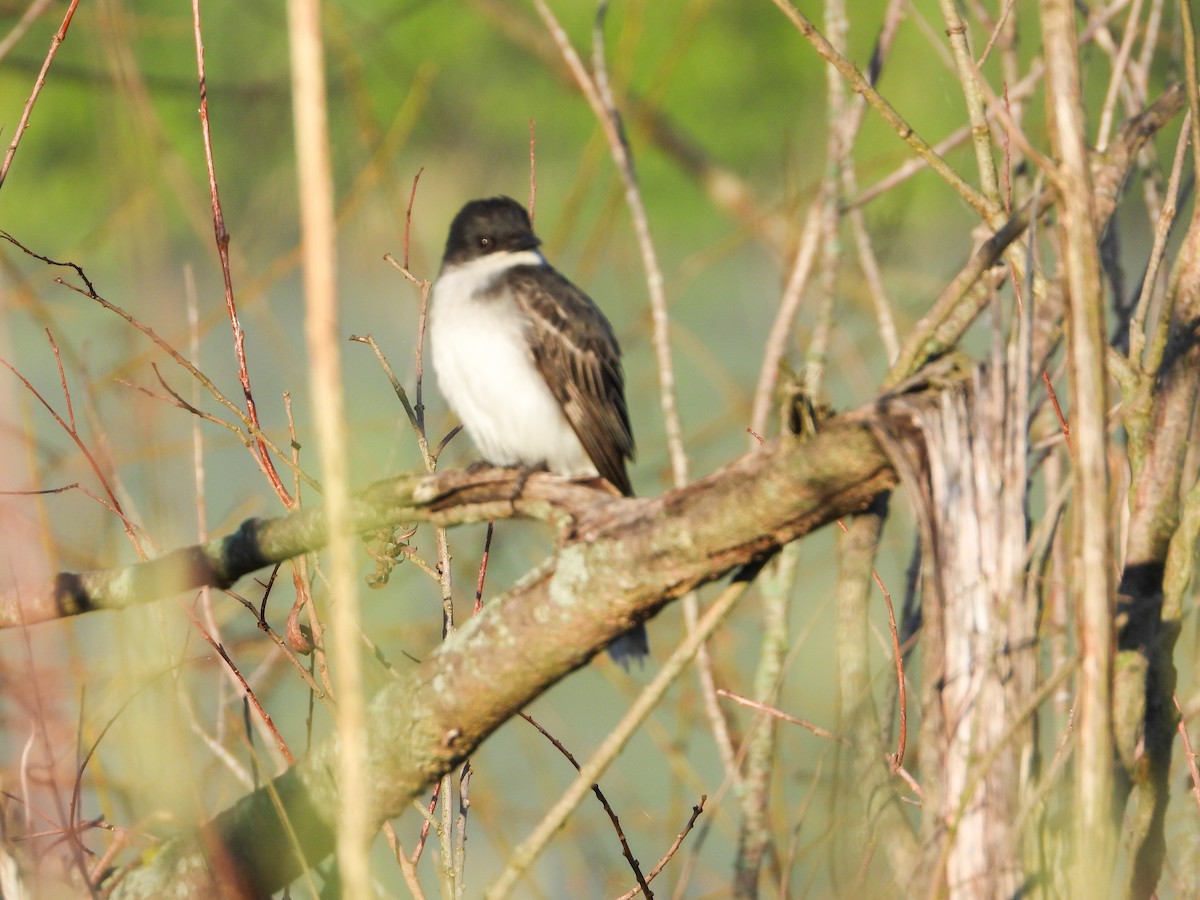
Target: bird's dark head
494,225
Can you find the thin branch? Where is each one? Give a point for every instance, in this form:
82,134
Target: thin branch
401,394
31,15
598,93
1162,231
248,693
131,530
222,239
969,78
896,759
89,291
885,109
55,42
675,845
643,886
1188,753
523,856
786,717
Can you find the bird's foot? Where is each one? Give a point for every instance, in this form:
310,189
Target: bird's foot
523,473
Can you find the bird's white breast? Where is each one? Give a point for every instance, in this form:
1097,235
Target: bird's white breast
486,374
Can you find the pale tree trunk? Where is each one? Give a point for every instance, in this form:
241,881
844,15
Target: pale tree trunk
966,463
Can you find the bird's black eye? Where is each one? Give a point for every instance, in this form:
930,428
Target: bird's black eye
485,242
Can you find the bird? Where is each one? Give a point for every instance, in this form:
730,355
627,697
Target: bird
528,362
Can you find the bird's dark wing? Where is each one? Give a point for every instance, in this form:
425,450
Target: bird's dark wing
574,348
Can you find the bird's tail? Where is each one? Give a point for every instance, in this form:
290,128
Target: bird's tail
632,646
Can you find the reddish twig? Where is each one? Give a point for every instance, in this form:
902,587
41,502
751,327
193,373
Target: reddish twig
896,759
252,429
1062,420
222,238
1188,752
483,564
41,732
643,886
433,800
62,377
55,42
412,198
76,486
89,291
249,693
73,434
780,714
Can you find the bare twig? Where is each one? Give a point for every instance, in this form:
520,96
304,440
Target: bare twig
31,14
885,109
427,823
222,239
1188,753
483,565
407,870
781,328
523,856
131,530
608,810
89,291
969,78
675,845
412,198
401,394
248,692
55,42
598,93
786,717
1162,230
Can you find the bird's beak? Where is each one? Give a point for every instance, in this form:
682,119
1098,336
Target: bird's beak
529,243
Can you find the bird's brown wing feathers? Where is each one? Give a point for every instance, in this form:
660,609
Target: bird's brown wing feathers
574,348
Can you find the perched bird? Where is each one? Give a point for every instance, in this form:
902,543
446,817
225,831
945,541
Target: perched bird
528,361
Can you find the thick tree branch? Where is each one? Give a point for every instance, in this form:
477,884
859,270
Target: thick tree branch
581,513
622,560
